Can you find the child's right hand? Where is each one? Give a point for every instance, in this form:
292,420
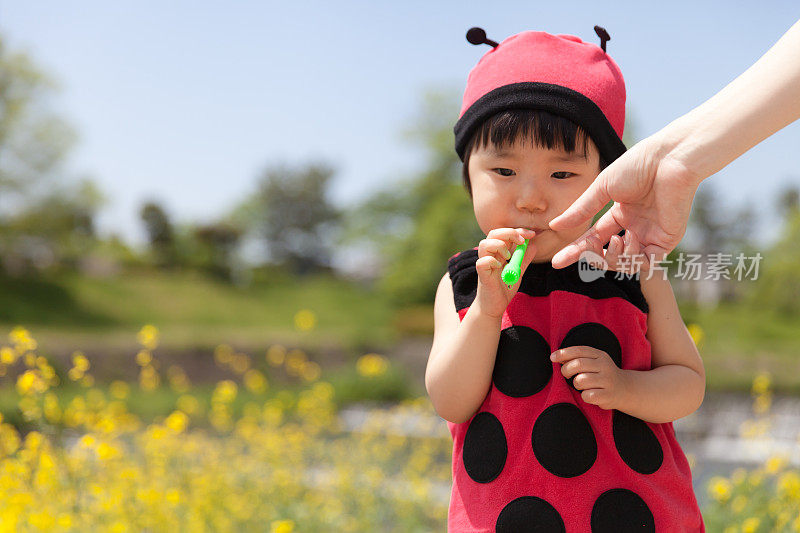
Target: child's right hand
493,296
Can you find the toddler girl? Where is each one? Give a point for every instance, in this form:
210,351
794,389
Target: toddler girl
559,391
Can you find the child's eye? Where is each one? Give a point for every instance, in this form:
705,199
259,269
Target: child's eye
561,175
500,171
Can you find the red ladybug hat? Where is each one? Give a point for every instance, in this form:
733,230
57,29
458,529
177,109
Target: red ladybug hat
556,73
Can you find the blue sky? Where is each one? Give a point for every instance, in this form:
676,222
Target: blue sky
188,102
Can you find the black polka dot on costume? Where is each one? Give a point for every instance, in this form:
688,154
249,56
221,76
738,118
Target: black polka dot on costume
636,443
563,440
620,511
529,514
522,366
594,335
485,448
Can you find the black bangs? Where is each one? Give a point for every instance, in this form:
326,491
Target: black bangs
532,126
539,128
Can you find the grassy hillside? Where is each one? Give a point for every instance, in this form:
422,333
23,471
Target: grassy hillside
192,310
195,313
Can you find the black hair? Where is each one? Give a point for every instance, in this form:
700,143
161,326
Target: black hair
545,129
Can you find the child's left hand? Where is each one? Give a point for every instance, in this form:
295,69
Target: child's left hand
599,379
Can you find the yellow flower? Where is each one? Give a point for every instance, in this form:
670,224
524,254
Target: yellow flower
276,355
761,403
282,526
224,392
789,485
311,371
750,525
188,404
719,488
305,320
696,333
223,354
7,355
22,340
255,381
143,358
775,463
105,451
173,496
761,383
371,365
148,336
177,421
80,361
240,363
295,361
119,389
29,382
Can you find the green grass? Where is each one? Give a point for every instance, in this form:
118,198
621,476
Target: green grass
192,310
151,405
740,341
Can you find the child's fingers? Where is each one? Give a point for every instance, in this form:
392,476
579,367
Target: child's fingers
489,268
512,236
495,247
612,253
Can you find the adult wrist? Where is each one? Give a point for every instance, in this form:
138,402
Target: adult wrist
681,145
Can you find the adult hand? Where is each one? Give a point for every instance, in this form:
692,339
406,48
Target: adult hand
653,184
652,196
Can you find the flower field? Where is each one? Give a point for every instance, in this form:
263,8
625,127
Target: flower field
280,461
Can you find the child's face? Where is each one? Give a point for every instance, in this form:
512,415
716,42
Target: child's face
526,186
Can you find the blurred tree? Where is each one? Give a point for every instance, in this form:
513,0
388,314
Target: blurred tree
715,228
778,284
160,234
33,140
788,200
417,223
54,229
291,212
44,218
218,243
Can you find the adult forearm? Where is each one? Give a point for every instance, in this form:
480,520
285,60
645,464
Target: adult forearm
761,101
662,394
461,374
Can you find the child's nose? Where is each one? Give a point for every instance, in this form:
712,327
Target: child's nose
532,199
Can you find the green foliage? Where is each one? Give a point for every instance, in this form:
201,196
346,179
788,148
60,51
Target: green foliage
714,228
446,225
160,234
394,385
417,224
45,221
292,213
33,140
193,310
778,285
758,500
217,244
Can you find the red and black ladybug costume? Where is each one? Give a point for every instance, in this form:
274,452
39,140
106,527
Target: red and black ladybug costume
536,457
